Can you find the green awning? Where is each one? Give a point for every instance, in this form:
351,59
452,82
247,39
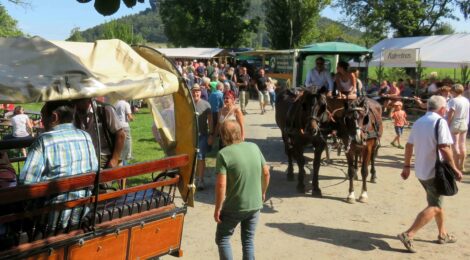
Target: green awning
335,48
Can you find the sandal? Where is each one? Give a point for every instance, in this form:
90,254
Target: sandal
393,144
446,239
407,242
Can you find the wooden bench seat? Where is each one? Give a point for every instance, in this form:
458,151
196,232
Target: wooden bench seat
22,226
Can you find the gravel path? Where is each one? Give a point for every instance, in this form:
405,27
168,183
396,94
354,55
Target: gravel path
297,226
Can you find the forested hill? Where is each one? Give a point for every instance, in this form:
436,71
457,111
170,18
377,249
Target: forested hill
324,22
148,24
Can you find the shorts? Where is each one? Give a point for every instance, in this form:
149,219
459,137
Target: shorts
433,198
263,97
458,126
202,139
399,130
126,153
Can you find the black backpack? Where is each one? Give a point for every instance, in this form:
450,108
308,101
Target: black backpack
102,119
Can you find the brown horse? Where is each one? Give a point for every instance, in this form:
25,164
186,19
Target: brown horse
359,125
299,118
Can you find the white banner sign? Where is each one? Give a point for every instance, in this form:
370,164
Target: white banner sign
401,56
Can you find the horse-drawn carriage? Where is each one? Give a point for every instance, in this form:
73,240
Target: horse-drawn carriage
136,222
310,118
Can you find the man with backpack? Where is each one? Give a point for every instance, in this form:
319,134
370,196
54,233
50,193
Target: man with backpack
111,130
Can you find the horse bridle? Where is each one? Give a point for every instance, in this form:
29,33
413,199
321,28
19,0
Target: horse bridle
363,129
314,116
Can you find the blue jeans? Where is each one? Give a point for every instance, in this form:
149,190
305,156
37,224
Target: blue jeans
226,228
203,145
272,98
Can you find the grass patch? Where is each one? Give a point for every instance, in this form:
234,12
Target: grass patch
442,73
144,146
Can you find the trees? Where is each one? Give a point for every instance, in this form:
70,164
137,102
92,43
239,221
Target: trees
403,17
122,31
210,23
8,25
291,23
76,35
147,23
114,29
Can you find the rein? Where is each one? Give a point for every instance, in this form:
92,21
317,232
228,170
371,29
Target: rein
331,115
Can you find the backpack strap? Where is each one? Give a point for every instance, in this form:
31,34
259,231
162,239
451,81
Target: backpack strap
101,109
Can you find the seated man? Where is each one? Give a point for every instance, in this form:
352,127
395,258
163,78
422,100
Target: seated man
61,151
319,79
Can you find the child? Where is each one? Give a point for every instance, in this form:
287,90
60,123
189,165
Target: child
399,121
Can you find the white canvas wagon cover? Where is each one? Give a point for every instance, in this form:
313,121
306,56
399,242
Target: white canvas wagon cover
34,70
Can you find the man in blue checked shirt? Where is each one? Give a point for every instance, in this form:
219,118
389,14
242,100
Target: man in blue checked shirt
61,151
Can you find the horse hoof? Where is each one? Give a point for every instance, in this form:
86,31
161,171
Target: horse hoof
301,188
290,177
317,193
363,198
373,180
351,199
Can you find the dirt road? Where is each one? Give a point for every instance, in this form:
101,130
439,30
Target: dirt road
297,226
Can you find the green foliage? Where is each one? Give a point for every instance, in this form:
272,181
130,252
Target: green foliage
291,23
122,31
404,17
259,38
330,30
419,70
115,29
393,74
147,23
444,28
380,73
464,74
214,23
8,25
76,35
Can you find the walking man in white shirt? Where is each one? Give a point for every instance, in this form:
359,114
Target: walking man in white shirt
124,114
423,141
319,77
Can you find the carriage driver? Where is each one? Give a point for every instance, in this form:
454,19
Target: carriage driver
319,78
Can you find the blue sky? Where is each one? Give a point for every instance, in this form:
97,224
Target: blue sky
54,19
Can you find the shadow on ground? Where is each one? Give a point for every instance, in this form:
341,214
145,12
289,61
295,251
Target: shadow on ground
358,240
272,126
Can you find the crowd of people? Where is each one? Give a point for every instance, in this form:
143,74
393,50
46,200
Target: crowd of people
236,78
242,175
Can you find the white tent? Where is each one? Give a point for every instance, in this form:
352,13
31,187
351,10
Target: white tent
440,51
191,53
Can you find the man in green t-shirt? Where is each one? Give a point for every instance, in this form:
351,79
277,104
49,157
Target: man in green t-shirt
242,181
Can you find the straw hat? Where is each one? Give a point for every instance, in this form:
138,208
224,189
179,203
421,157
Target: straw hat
398,103
196,87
